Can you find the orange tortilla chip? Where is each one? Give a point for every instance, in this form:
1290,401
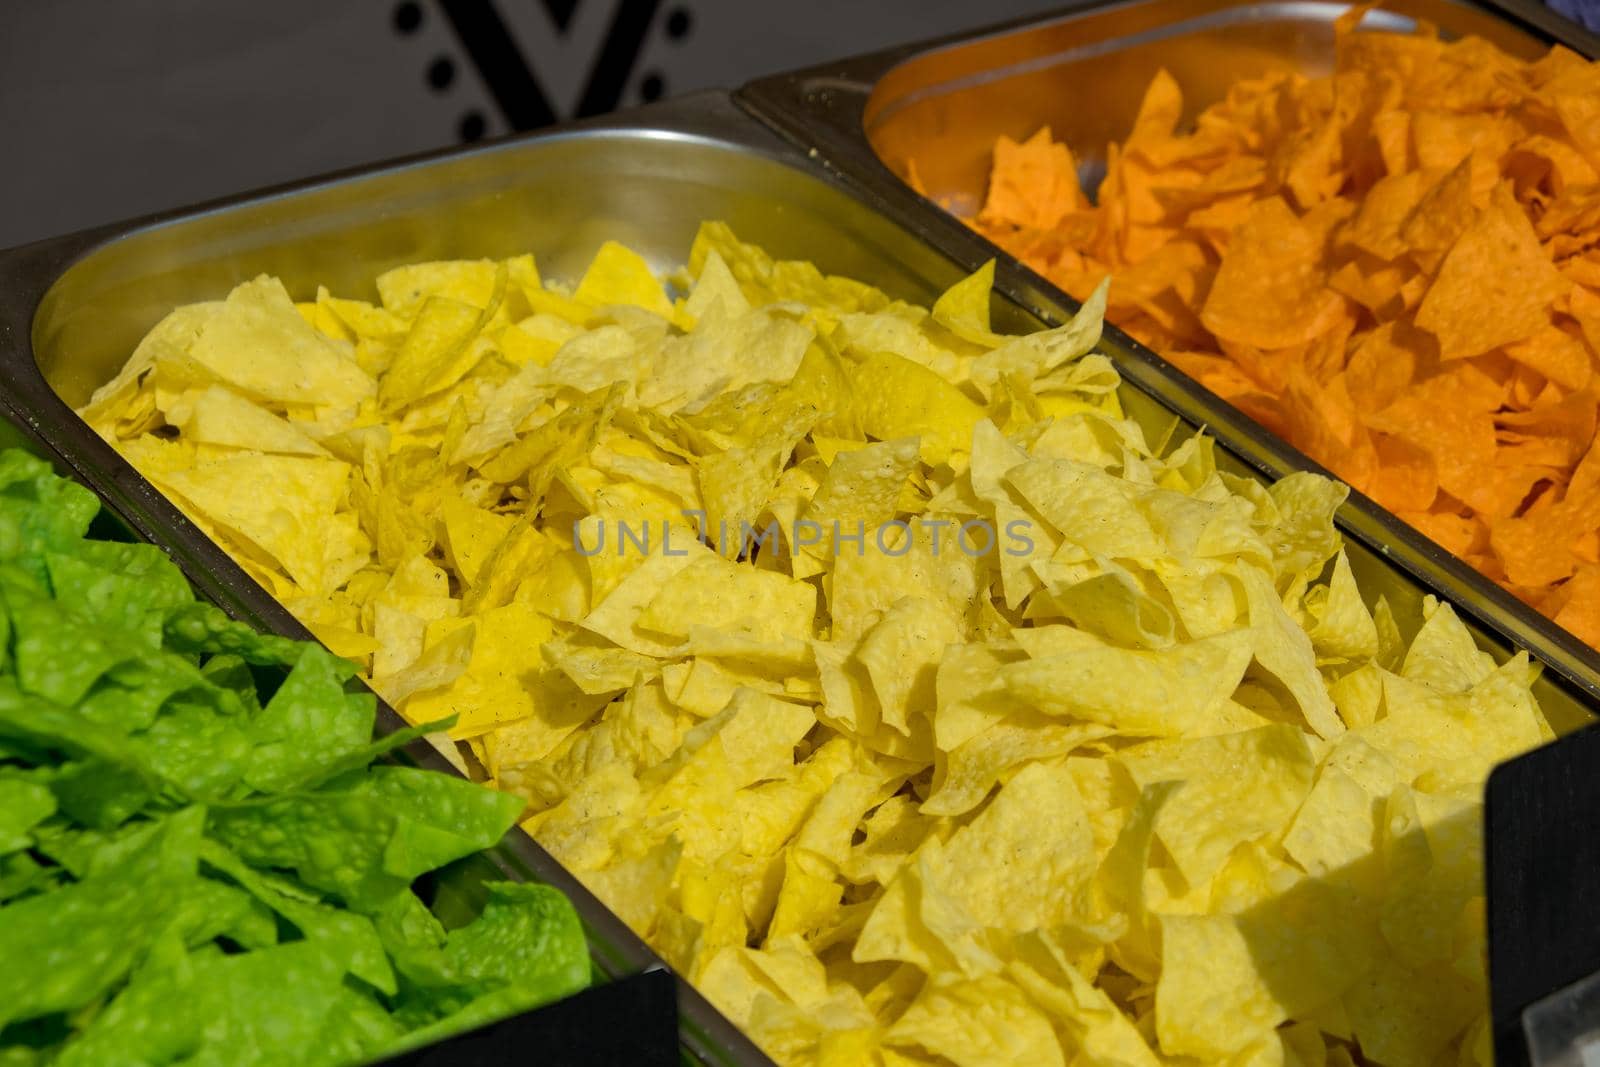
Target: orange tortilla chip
1441,216
1383,363
1539,161
1388,205
1158,116
1495,286
1377,286
1324,421
1534,551
1034,184
1446,138
1556,354
1217,220
1571,221
1461,447
1579,604
1396,267
1405,479
1457,534
1586,476
1392,132
1575,93
1311,166
1582,271
1501,490
1560,432
1271,289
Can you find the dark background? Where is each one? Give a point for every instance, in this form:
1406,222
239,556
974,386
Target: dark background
112,109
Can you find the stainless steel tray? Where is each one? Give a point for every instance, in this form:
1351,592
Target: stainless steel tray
1083,72
72,308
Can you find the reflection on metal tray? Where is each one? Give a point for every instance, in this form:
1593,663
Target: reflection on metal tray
1083,73
945,108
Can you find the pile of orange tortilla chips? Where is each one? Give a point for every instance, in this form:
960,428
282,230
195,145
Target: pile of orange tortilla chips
1396,268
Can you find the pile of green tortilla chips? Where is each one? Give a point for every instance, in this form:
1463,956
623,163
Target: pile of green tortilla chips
193,870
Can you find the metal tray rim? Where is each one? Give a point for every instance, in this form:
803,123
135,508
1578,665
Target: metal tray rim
1376,18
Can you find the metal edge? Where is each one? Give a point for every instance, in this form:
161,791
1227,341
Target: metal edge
26,274
821,112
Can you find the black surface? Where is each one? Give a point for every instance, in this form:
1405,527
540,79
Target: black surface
630,1021
499,62
623,41
1542,861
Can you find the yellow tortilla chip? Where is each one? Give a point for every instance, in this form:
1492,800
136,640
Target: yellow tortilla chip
1240,787
404,290
984,1020
964,308
258,343
436,353
216,415
711,592
286,506
618,275
897,398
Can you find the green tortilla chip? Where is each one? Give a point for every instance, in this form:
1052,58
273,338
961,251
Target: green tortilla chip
130,587
231,674
195,750
309,722
373,838
441,818
94,931
203,629
21,874
131,695
39,511
528,936
347,935
102,793
525,949
273,1006
59,654
23,805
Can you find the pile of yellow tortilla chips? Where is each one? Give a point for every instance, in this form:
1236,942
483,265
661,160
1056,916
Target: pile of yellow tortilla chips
1396,268
873,666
